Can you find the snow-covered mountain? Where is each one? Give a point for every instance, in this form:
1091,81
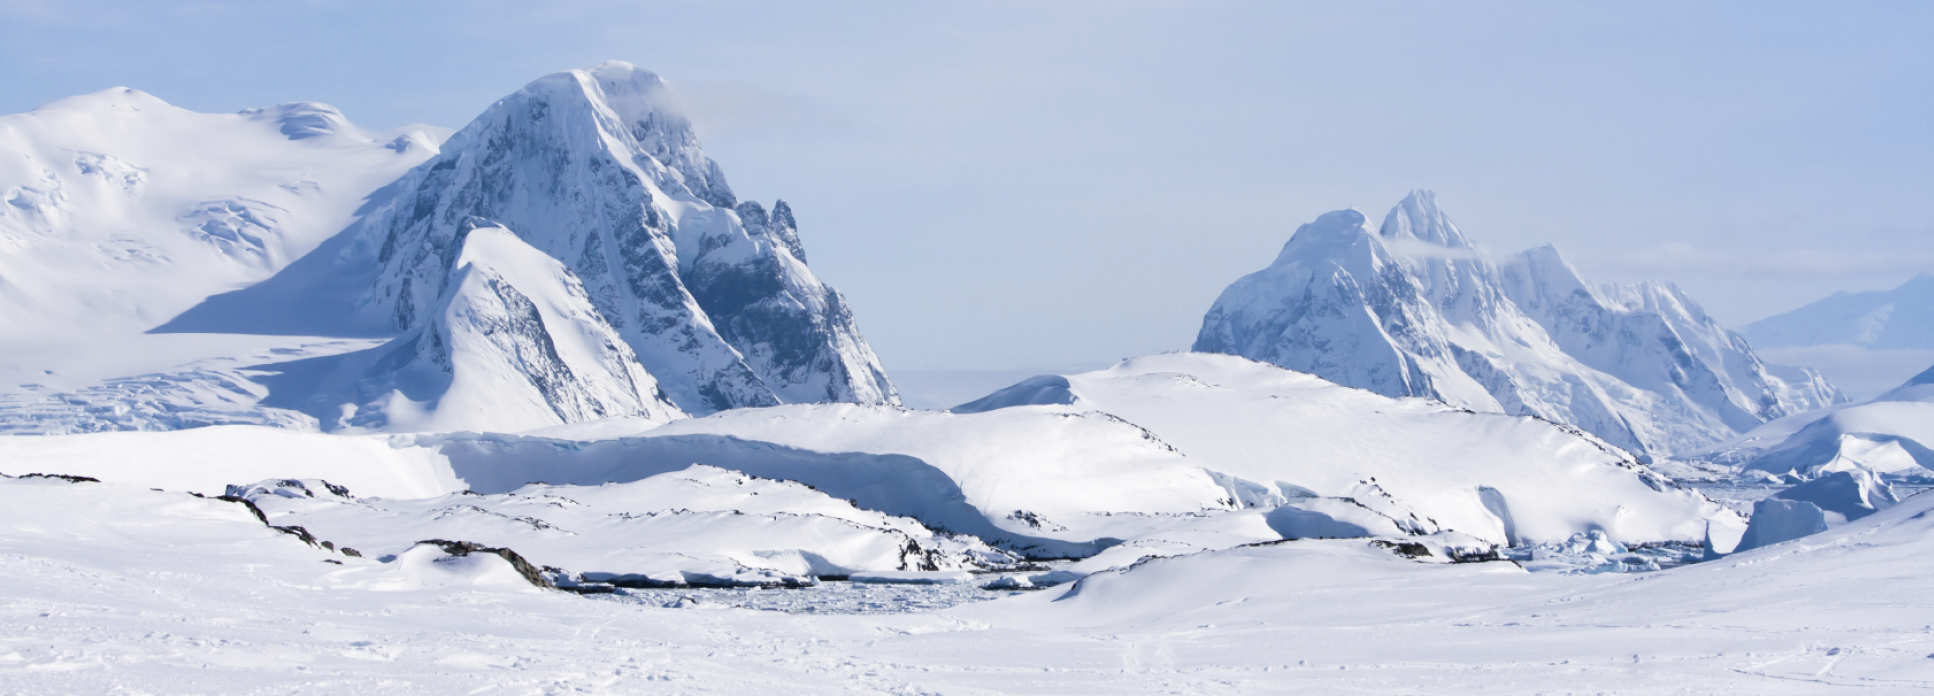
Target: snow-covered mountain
1415,309
122,210
1866,341
598,170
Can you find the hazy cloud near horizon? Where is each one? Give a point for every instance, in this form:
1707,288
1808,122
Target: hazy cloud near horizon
1010,185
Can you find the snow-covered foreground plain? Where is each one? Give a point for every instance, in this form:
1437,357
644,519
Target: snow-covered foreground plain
115,588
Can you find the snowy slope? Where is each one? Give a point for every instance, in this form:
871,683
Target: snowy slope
1105,481
1415,309
1087,456
595,169
126,210
1816,615
1082,479
1504,479
122,588
697,525
1893,434
513,344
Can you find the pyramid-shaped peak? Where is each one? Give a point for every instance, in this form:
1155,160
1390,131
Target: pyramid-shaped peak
1418,217
613,106
1543,272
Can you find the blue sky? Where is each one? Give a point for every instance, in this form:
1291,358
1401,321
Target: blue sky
1021,185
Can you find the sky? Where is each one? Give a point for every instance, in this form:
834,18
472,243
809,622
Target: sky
1058,185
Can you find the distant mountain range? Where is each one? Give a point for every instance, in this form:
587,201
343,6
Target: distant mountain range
1899,318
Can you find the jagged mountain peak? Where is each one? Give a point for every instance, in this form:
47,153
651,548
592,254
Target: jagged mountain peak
1329,233
1418,217
614,106
1541,276
591,169
1416,310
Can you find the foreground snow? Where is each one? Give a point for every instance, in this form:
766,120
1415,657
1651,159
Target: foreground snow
122,588
1162,454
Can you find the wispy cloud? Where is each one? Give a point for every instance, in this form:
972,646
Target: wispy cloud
1420,249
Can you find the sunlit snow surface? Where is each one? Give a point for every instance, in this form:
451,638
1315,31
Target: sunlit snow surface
121,588
833,597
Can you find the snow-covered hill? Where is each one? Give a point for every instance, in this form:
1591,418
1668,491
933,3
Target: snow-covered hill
1415,309
597,170
1501,478
122,210
1892,434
